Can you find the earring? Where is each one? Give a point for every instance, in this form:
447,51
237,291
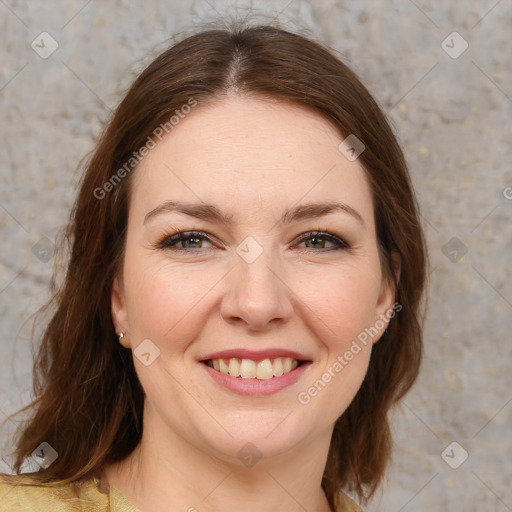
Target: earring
120,336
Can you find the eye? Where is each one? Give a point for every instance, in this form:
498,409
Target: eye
194,240
184,240
319,239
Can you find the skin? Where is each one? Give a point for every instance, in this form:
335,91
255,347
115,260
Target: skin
253,158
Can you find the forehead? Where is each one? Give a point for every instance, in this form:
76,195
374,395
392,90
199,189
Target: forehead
247,152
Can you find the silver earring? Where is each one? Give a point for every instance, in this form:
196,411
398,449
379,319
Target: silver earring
120,336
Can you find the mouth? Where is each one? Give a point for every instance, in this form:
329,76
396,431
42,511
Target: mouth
262,369
256,373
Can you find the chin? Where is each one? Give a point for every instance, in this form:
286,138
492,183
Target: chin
254,436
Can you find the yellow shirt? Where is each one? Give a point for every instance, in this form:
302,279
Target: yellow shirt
77,497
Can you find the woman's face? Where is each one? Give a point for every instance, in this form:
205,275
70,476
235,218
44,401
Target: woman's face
254,280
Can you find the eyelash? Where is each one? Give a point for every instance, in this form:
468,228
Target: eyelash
169,241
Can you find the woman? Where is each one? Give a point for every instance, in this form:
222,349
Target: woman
242,301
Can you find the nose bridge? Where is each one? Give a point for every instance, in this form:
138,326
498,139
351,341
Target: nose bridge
259,276
257,292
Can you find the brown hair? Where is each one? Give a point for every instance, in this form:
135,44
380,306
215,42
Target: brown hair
88,400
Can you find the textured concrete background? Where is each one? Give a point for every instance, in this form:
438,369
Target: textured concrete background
453,113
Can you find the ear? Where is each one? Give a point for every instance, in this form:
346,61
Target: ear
118,311
385,309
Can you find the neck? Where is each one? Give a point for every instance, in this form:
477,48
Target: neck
173,475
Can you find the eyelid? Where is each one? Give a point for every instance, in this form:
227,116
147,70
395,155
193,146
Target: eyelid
331,237
169,241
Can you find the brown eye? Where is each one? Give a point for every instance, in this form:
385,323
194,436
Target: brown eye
318,240
184,240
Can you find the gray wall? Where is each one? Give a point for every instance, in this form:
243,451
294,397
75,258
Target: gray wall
453,115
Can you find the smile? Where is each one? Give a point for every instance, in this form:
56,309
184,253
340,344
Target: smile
251,369
252,372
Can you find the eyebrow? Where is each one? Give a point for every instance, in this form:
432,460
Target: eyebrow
210,212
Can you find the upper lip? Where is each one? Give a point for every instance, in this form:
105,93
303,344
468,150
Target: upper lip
255,355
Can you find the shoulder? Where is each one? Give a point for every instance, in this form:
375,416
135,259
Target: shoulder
21,493
24,493
347,504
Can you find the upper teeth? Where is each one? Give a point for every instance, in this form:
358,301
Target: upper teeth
249,369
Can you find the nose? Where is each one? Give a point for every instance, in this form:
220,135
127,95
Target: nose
257,295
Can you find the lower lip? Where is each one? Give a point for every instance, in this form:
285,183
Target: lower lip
257,387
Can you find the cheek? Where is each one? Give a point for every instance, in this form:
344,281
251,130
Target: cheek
338,316
163,299
343,303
